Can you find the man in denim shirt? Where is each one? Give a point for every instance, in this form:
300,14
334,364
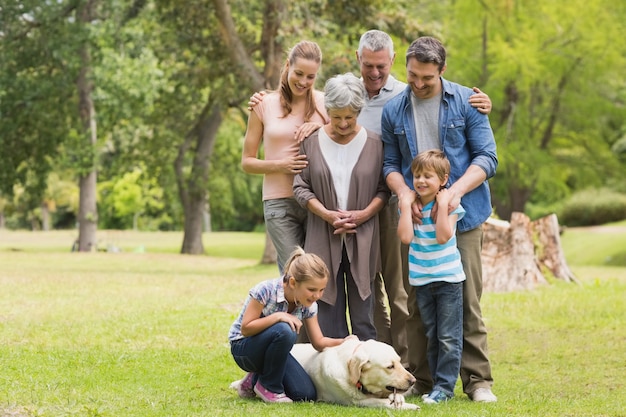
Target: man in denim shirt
433,113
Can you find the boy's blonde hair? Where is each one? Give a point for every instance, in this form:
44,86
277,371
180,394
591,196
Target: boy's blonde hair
433,160
304,266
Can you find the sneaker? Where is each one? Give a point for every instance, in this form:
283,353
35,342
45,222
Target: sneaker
269,396
483,395
245,389
436,397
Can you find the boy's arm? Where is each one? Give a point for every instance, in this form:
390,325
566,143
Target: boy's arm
444,223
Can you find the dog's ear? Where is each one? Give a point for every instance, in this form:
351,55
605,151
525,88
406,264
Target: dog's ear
355,363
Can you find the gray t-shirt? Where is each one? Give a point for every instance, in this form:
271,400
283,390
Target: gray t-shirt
426,117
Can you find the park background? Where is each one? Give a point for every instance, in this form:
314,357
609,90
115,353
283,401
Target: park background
121,124
130,114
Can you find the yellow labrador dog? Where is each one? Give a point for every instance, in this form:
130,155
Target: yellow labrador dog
366,374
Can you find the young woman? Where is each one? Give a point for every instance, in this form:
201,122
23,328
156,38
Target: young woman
281,121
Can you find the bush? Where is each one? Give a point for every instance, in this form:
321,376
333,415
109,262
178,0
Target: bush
593,207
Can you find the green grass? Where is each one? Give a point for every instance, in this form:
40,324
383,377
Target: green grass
144,333
604,245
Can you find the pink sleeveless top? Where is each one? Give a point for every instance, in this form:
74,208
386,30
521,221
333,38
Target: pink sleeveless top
279,140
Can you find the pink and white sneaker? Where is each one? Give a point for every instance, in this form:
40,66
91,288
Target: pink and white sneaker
244,386
269,396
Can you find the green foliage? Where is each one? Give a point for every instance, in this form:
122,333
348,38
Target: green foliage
593,207
555,109
558,115
619,148
123,200
235,197
37,71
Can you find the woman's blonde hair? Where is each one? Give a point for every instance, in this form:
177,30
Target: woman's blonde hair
306,50
304,266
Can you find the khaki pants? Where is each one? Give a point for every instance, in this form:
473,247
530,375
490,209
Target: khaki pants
475,366
390,298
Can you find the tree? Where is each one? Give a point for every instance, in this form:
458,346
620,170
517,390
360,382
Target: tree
553,102
37,106
48,105
87,210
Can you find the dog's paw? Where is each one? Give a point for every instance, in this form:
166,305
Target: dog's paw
397,401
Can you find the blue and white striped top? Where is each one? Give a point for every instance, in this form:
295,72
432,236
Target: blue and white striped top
430,261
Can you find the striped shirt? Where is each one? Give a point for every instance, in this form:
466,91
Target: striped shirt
271,294
430,261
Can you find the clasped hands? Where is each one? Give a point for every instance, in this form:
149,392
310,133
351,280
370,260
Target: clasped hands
345,221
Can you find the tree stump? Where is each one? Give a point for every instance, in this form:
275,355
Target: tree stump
516,254
549,251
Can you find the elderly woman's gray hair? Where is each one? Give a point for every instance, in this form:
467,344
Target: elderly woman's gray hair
344,91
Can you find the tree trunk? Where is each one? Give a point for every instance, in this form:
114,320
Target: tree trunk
192,238
87,210
517,254
87,213
45,216
192,187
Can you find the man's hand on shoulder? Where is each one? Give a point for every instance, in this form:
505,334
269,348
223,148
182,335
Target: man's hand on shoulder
480,101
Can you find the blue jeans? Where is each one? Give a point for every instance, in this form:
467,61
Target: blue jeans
267,354
441,308
285,221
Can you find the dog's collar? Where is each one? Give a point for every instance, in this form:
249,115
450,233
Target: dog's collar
362,388
359,384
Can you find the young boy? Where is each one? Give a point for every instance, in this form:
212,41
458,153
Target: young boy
435,268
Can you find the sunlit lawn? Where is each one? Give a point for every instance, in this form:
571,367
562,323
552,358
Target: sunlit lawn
143,332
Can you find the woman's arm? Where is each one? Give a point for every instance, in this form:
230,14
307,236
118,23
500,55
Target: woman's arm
250,161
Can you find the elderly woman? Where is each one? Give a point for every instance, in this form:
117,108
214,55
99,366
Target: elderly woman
343,189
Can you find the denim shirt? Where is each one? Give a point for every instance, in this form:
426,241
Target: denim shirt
466,138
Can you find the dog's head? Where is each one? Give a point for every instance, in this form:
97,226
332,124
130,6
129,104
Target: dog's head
376,370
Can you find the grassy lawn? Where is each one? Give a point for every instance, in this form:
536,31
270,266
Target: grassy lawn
143,332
